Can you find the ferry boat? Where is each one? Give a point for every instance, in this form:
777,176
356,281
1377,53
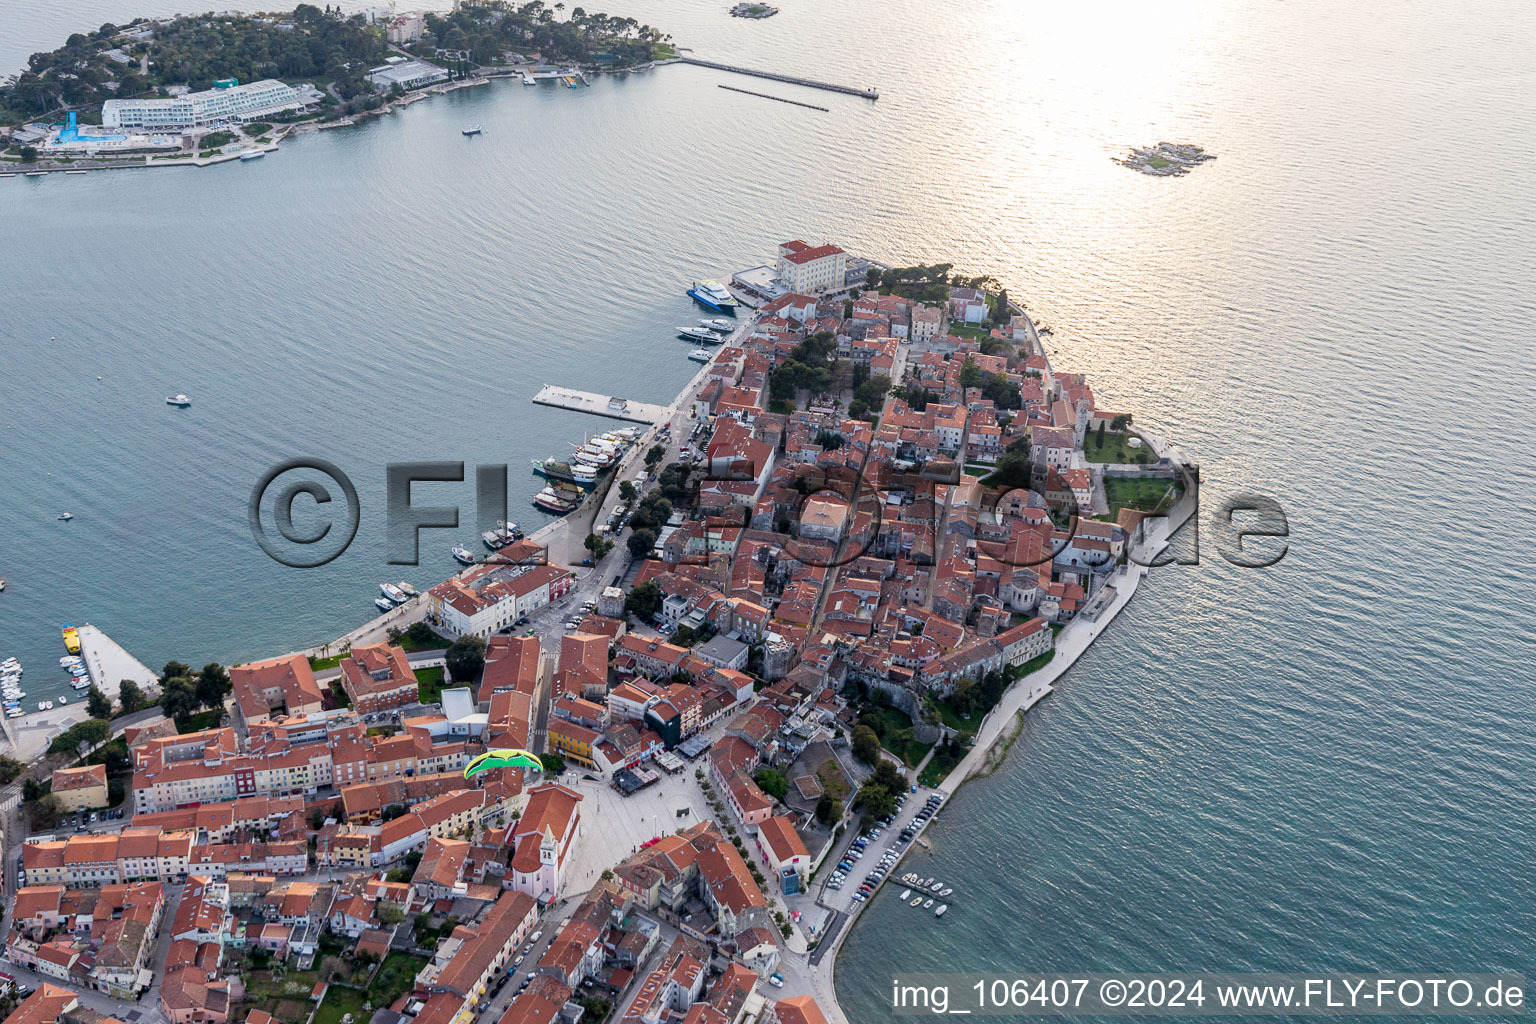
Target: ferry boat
384,603
703,334
700,355
714,295
71,638
464,555
576,473
406,589
550,501
939,910
718,324
253,154
180,401
473,129
394,593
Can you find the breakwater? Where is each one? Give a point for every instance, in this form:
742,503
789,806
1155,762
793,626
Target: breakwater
870,94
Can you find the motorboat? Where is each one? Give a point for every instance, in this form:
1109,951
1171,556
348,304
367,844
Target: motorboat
384,603
936,886
180,401
939,910
905,894
394,593
62,702
406,589
699,355
71,638
492,540
947,892
714,295
253,154
65,516
698,334
917,901
473,129
67,660
719,325
464,555
45,705
550,501
927,904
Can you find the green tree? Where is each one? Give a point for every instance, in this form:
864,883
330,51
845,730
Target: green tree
389,912
627,490
173,669
644,601
866,745
130,696
772,782
31,789
827,810
421,635
97,704
179,700
553,763
29,154
654,456
465,658
641,543
212,684
970,373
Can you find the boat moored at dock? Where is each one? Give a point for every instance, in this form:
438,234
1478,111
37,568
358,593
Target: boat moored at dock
713,295
394,593
384,603
464,555
575,472
71,638
699,355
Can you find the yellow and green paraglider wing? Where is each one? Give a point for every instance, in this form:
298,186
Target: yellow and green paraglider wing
502,758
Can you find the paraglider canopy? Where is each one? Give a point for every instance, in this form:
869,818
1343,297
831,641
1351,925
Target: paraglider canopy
502,758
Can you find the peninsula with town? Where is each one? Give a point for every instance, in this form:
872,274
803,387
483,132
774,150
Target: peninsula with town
755,658
193,90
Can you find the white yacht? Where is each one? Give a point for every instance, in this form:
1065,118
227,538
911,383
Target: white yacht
180,401
699,355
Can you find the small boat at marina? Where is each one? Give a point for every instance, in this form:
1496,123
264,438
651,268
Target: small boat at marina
74,172
719,325
77,671
68,660
253,154
384,603
406,589
491,539
45,705
699,355
946,892
66,516
464,555
83,683
905,894
936,886
71,638
473,129
180,401
713,295
62,702
939,910
14,712
927,904
917,901
394,593
698,334
927,882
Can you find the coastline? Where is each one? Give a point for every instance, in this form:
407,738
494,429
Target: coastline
86,164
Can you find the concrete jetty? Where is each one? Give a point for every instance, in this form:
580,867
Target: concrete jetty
109,664
600,405
870,94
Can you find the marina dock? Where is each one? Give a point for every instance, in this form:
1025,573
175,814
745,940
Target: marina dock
870,94
600,405
109,664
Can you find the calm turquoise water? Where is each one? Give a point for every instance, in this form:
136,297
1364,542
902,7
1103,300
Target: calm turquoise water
1323,765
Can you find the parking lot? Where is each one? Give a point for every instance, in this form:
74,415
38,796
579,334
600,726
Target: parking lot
869,858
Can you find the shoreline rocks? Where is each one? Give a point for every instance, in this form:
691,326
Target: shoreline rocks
1166,159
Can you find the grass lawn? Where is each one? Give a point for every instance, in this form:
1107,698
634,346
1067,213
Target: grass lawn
941,765
204,720
436,643
1114,448
321,663
1142,493
397,976
952,718
340,1001
896,721
429,684
962,331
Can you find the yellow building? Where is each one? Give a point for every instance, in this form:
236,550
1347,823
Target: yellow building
80,789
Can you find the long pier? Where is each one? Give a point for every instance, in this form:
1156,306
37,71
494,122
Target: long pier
870,94
600,405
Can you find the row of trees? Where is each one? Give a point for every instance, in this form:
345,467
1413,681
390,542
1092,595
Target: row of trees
485,30
184,693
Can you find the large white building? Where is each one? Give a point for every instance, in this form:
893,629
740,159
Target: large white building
195,109
811,270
